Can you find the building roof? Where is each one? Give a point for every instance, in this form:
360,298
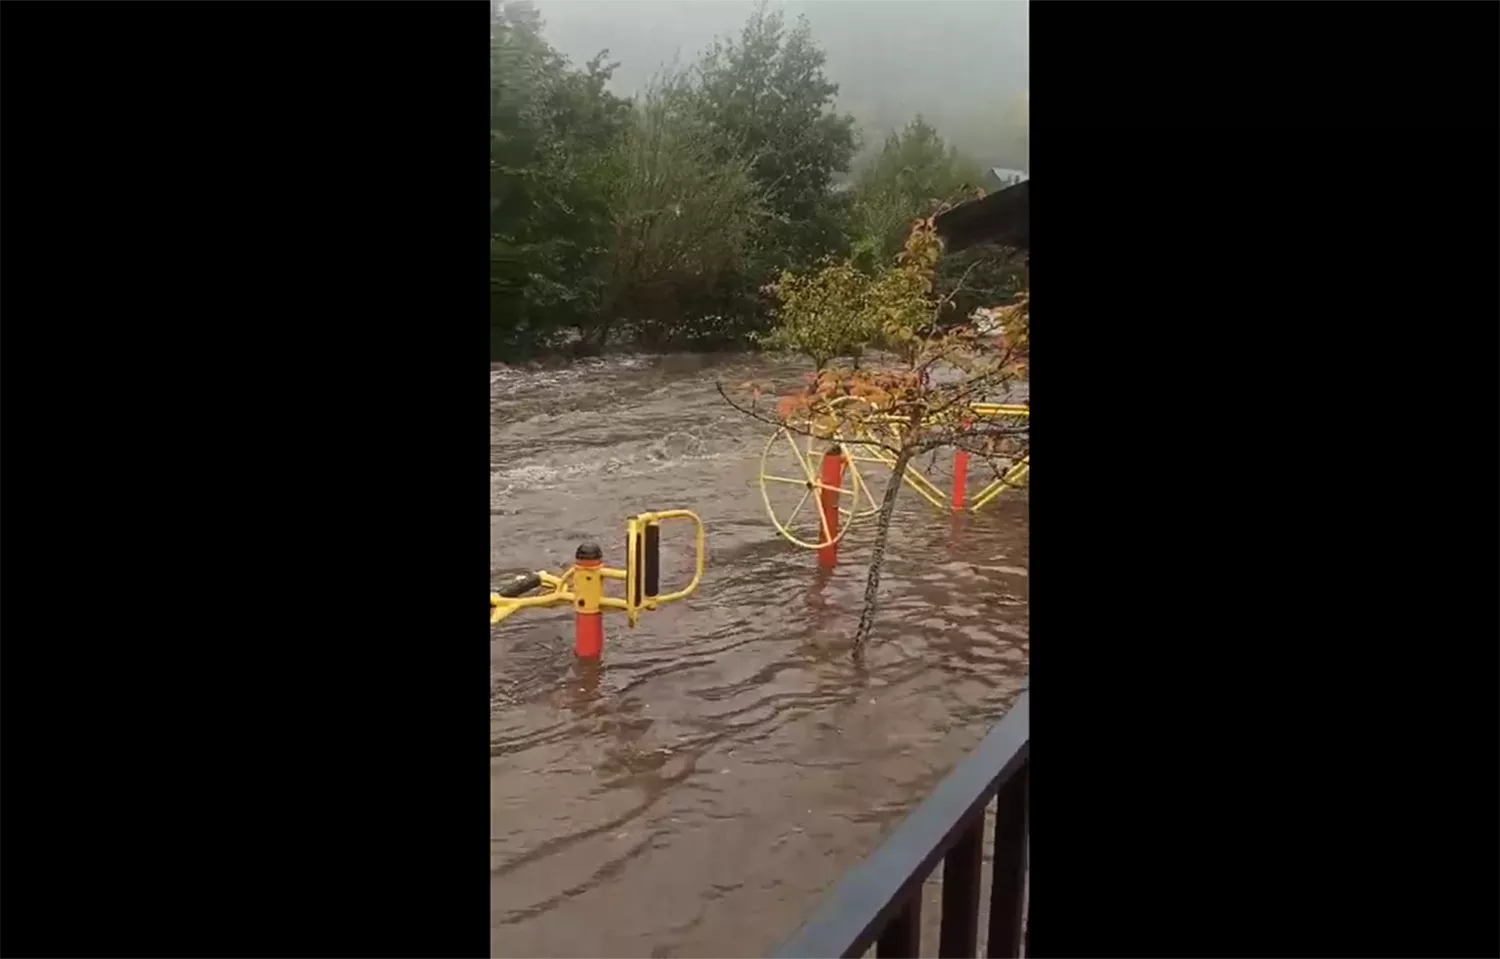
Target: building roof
1003,217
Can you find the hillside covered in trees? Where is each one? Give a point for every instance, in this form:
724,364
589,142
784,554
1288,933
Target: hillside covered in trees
659,219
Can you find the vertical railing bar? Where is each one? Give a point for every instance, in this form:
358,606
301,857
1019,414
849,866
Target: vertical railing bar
1026,887
958,934
902,936
1007,884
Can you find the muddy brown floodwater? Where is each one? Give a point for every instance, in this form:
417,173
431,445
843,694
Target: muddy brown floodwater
696,793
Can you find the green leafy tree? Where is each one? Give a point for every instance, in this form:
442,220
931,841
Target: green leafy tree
554,134
913,173
921,403
824,314
686,213
767,92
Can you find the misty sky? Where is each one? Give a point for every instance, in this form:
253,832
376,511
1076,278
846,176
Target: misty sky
963,64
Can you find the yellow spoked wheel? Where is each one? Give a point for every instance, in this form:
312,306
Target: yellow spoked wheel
853,426
791,485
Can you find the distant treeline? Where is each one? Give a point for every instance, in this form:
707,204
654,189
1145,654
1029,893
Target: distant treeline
659,221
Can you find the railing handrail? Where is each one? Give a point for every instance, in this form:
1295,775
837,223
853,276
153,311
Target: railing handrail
852,915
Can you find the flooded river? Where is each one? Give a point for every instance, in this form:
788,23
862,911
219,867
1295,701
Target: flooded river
695,793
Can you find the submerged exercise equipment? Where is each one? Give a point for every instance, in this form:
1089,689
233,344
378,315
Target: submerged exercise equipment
826,463
582,584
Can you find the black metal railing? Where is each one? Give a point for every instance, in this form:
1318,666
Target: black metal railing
880,900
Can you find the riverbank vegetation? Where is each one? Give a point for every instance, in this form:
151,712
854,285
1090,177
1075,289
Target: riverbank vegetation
695,213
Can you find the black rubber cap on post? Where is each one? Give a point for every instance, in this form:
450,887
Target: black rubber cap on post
589,551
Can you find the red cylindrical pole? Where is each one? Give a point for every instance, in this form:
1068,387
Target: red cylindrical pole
961,470
960,477
588,635
588,586
828,501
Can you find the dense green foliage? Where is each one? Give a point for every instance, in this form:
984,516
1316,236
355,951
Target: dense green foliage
669,219
824,314
913,175
914,172
554,135
768,92
688,213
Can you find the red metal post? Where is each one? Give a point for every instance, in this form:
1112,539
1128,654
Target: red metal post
828,501
588,617
961,470
960,477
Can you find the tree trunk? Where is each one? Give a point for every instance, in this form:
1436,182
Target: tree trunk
877,553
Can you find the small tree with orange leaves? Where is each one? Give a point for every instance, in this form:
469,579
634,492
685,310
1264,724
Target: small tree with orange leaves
938,366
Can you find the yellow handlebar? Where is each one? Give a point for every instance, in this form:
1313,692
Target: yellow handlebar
687,514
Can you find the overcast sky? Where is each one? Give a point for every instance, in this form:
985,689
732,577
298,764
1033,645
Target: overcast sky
961,63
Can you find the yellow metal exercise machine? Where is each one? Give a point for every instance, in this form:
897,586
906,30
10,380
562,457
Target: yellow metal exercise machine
843,495
582,584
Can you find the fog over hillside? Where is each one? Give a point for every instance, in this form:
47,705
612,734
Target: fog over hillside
962,64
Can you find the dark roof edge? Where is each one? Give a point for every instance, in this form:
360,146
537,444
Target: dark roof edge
1003,217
